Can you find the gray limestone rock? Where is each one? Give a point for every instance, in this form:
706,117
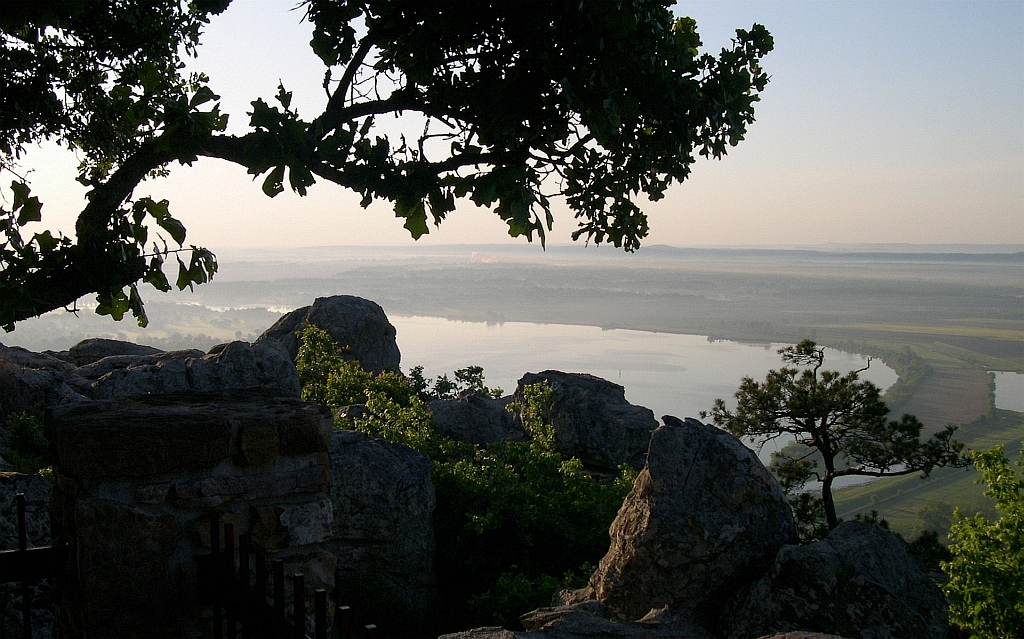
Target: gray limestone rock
94,349
859,582
232,365
383,535
353,322
593,421
476,419
33,381
704,518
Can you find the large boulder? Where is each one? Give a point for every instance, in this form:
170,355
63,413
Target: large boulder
704,518
859,582
592,419
383,535
34,381
475,418
353,322
94,349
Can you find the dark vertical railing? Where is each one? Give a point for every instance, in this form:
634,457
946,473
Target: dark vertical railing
320,607
26,588
29,565
343,617
238,604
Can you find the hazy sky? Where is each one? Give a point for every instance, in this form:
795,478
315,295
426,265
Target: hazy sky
883,122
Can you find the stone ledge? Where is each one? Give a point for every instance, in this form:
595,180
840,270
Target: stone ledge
184,432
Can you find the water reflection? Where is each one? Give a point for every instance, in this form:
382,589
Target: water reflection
670,374
1009,391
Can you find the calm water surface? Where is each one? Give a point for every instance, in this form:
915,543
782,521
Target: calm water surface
1009,391
671,374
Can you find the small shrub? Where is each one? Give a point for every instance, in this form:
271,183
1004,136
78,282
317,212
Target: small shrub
470,378
29,451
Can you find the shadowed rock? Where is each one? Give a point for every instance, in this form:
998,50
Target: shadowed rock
476,419
383,535
592,419
94,349
858,582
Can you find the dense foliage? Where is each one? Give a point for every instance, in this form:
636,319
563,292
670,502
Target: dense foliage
602,103
514,521
841,422
28,449
986,575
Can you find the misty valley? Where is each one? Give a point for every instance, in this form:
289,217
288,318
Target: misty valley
676,327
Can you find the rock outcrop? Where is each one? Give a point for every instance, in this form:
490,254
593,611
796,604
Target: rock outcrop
35,381
232,365
353,322
593,421
860,581
476,419
383,535
704,518
587,620
94,349
138,478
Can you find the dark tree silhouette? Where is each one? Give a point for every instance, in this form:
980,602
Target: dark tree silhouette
600,103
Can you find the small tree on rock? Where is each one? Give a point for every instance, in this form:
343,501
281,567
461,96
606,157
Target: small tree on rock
841,421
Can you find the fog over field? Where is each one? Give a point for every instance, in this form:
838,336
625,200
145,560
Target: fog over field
971,299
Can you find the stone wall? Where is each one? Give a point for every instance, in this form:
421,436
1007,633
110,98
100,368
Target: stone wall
138,478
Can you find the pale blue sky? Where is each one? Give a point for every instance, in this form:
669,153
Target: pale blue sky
884,122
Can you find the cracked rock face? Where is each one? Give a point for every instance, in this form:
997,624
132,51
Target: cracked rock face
704,518
860,581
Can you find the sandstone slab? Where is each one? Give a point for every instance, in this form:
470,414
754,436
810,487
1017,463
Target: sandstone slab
704,518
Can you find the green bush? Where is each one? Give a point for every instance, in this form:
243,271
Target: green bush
986,575
513,522
470,378
29,451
